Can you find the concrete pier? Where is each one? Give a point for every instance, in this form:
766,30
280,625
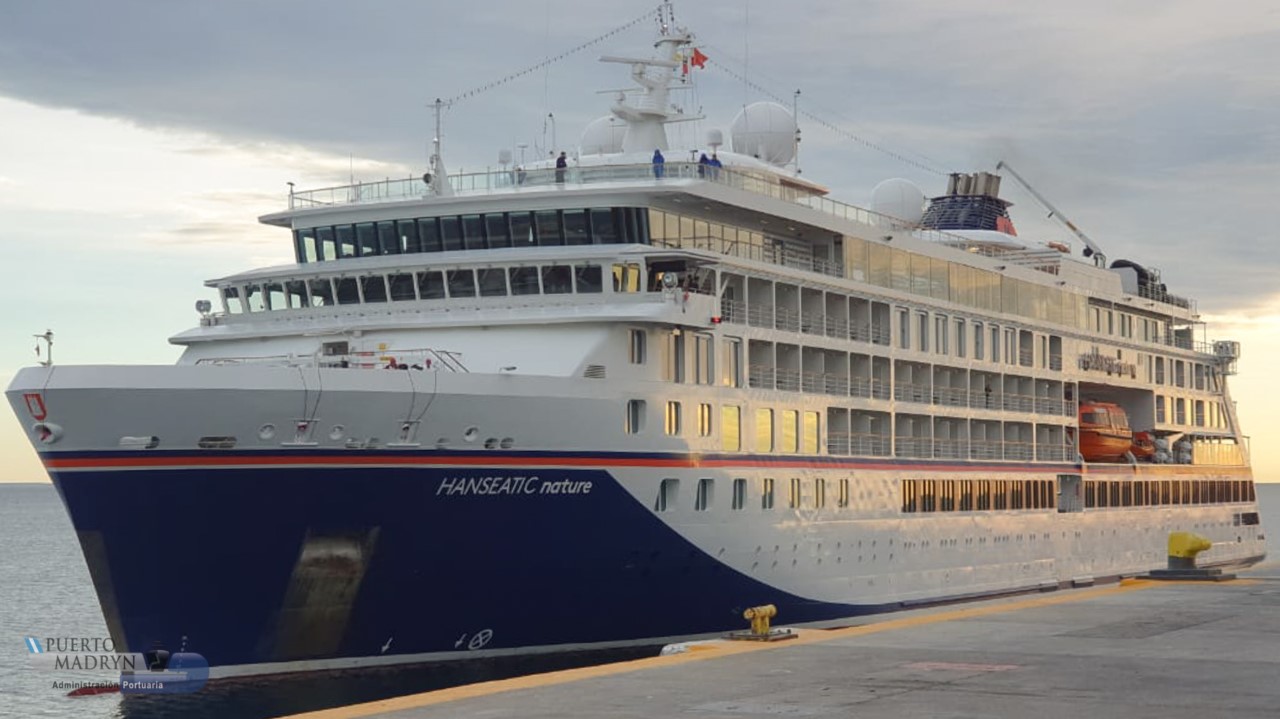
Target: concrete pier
1139,649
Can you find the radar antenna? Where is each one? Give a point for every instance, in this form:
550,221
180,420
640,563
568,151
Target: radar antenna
1091,248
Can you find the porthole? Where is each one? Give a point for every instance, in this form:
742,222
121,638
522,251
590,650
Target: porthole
471,434
491,443
337,433
506,443
267,431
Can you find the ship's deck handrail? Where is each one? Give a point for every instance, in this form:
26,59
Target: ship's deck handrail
423,358
511,180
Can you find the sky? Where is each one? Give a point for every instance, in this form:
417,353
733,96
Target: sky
139,141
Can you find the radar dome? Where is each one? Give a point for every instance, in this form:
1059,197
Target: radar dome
765,130
603,136
900,199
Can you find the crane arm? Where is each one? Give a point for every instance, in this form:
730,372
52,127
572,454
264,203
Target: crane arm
1093,250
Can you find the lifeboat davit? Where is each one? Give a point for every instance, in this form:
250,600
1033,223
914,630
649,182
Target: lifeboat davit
1105,435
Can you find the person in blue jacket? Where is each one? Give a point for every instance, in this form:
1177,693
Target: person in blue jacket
658,162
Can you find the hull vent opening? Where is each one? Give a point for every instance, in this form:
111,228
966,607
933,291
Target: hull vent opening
216,442
594,371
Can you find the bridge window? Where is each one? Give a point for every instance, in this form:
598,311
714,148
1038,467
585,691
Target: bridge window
589,279
321,293
575,228
389,239
549,229
366,240
462,283
429,235
407,232
296,293
498,229
451,233
524,280
521,229
402,287
374,288
431,285
348,291
603,227
305,247
493,282
473,232
557,280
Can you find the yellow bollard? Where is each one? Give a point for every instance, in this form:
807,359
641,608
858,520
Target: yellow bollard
760,630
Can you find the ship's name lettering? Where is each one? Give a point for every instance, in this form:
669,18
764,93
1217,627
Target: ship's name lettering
1098,362
499,486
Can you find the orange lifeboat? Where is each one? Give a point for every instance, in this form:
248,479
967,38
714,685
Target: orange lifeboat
1105,435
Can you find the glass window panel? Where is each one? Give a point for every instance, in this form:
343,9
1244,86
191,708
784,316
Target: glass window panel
346,235
493,282
431,285
429,234
367,239
275,296
499,232
604,229
473,232
521,229
524,280
588,279
810,434
881,270
548,224
575,228
764,430
328,246
402,287
462,283
321,293
389,239
254,298
1008,295
305,244
407,234
451,233
901,279
657,227
730,430
374,288
296,293
557,280
855,260
940,279
920,274
790,430
348,292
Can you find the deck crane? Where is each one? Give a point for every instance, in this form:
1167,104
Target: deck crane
1091,248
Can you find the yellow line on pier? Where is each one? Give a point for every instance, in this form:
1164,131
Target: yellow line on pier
704,652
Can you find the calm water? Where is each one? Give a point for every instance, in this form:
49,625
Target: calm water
45,591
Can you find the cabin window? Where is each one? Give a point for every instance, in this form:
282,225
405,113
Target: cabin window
498,230
704,420
636,353
549,227
231,299
842,498
731,362
706,494
402,287
635,416
366,240
305,246
557,280
524,280
819,493
764,430
588,279
407,233
389,239
492,281
977,340
326,244
702,361
604,227
429,234
793,496
766,493
809,433
374,288
462,283
472,232
273,295
904,328
431,285
672,424
346,239
348,290
626,278
575,228
296,293
522,229
739,494
790,431
668,495
730,428
961,325
451,233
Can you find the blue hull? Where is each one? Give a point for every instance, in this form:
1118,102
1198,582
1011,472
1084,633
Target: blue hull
260,565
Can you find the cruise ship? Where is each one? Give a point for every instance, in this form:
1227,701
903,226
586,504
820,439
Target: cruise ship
617,402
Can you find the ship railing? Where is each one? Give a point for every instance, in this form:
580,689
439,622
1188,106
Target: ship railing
906,392
985,400
880,389
1051,453
1025,358
513,179
1185,343
860,387
811,325
1051,405
814,382
951,396
858,444
950,448
1159,295
786,319
760,376
1021,451
913,447
420,358
787,379
986,450
836,384
836,327
1017,403
1055,362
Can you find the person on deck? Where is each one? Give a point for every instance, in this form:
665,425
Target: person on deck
562,163
658,164
703,163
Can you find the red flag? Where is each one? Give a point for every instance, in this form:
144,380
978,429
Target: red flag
698,59
1005,225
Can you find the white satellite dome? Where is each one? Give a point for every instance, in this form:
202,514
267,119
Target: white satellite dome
602,136
900,199
765,130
